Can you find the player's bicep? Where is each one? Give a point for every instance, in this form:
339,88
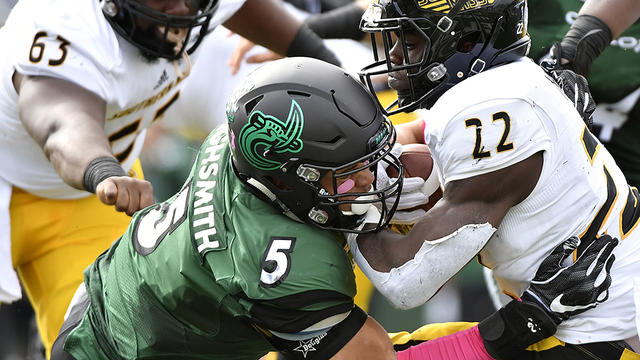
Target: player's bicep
48,106
488,197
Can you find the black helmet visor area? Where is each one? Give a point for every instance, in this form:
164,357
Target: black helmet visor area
384,199
158,34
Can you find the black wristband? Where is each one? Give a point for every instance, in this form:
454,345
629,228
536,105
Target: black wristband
585,41
340,23
99,169
307,43
514,327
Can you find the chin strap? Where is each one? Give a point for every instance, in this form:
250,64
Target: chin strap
259,188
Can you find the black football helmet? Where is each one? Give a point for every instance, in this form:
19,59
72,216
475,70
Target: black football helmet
154,38
295,120
462,38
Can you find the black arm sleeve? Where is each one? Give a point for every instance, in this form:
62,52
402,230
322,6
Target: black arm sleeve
308,43
340,23
585,41
322,346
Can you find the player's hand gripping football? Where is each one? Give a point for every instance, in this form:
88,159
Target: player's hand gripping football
564,291
574,85
412,194
126,193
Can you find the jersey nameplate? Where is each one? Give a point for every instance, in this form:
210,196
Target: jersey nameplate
203,219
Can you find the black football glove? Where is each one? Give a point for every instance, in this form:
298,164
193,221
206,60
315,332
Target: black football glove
574,86
564,291
556,293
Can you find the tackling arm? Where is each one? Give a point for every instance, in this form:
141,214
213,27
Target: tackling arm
449,235
67,121
256,21
617,14
596,25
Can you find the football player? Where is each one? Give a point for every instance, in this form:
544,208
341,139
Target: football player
588,28
249,256
81,81
516,162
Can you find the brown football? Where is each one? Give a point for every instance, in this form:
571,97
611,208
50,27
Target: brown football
416,161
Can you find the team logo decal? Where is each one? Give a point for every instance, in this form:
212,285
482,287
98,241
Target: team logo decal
309,345
445,6
265,134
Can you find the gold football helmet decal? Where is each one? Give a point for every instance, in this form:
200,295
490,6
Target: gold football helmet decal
444,6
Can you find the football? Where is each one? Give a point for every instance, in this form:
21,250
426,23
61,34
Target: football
417,162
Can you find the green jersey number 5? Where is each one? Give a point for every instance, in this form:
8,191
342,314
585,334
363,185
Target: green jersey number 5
276,262
160,221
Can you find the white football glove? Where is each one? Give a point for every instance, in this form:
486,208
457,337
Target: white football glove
415,191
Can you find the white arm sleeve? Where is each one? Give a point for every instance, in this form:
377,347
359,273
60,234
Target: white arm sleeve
417,280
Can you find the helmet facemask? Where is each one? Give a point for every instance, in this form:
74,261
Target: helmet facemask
348,209
296,189
307,137
157,34
457,43
424,76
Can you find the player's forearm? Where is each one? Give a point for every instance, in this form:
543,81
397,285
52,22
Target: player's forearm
340,23
67,122
414,282
256,20
617,14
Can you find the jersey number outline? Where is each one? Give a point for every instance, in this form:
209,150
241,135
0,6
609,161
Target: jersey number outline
478,149
276,262
39,46
159,222
630,213
134,127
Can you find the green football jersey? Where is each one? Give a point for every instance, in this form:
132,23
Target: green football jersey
614,79
192,276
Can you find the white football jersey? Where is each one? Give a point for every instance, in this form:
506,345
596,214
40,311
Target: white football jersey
506,114
72,40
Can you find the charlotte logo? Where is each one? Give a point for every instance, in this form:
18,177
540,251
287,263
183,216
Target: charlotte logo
264,134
